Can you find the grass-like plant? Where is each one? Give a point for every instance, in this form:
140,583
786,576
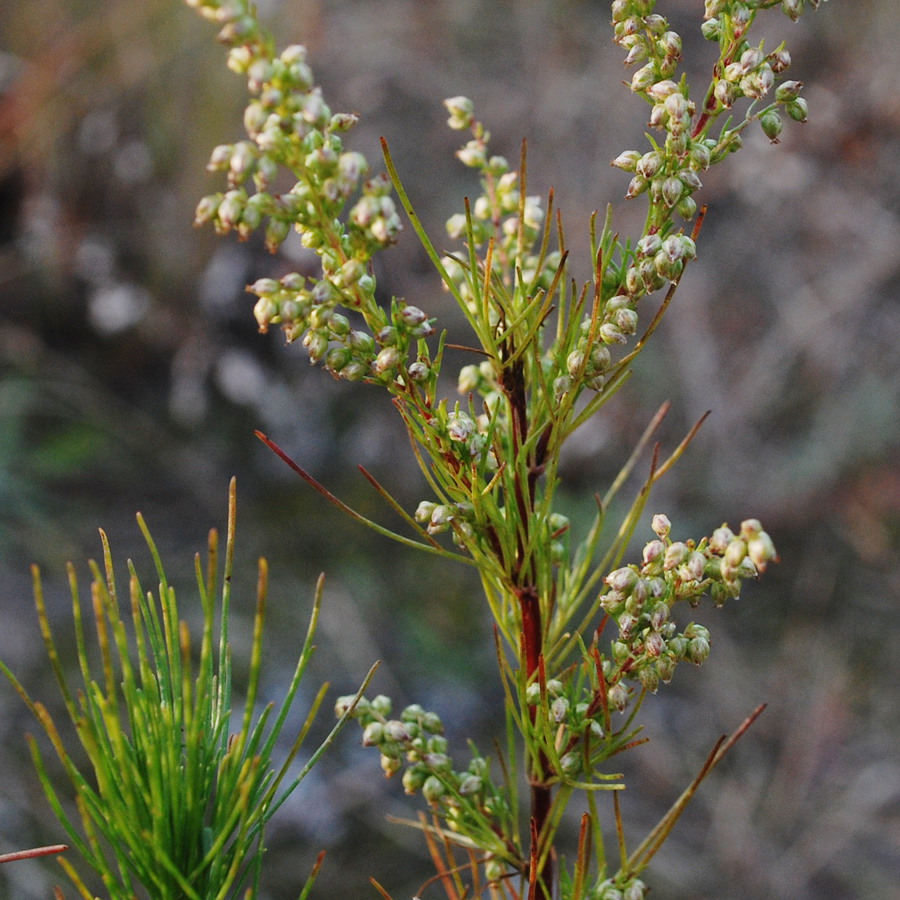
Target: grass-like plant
172,803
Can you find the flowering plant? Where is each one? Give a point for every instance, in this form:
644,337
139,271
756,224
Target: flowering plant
582,635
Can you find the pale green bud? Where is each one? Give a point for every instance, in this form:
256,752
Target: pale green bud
460,427
697,650
663,89
264,311
637,890
473,154
617,695
711,29
649,164
471,784
643,78
559,709
611,334
373,734
418,371
461,111
381,705
771,125
207,209
672,190
433,789
627,160
735,553
387,360
413,779
788,90
797,109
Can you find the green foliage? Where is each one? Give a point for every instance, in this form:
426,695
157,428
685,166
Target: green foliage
172,802
549,354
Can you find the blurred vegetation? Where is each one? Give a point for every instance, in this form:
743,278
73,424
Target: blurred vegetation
131,377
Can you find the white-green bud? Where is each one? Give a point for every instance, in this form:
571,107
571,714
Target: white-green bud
373,734
473,154
676,554
617,695
461,111
661,525
559,709
627,160
460,427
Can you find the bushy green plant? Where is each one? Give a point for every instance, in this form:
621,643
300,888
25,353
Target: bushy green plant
172,802
550,354
582,635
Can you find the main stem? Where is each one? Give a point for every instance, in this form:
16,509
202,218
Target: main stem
513,380
541,795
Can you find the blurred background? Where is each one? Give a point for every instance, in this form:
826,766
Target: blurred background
132,378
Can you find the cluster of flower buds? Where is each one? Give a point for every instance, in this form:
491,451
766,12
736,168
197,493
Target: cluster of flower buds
292,128
640,598
415,743
500,212
670,173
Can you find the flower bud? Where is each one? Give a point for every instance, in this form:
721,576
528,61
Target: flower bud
720,539
672,190
413,779
643,78
653,552
424,511
387,360
390,765
264,311
612,334
788,90
373,734
696,565
792,8
649,679
461,111
627,161
412,315
676,554
697,650
617,695
771,125
711,29
735,553
460,427
655,644
622,580
559,709
636,186
649,164
344,702
337,358
661,525
797,109
433,789
473,154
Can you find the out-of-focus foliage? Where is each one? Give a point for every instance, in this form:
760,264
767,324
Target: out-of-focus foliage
107,109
